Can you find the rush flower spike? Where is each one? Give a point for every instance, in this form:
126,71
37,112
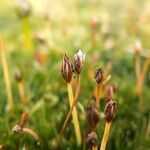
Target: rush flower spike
24,119
78,61
18,75
110,110
98,75
92,115
92,139
66,69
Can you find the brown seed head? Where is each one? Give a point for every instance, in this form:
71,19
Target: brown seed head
17,129
24,119
78,61
92,115
66,69
92,139
18,75
98,75
110,110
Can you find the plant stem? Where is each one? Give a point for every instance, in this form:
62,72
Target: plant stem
98,92
10,104
74,115
27,37
94,147
32,133
21,92
105,135
71,109
99,89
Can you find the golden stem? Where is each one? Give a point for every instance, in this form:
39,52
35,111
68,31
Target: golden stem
105,136
70,111
74,115
32,133
77,87
28,42
21,92
10,104
94,148
98,93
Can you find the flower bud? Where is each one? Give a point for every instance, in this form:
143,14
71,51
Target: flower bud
66,69
138,47
24,119
98,75
92,139
17,128
78,61
18,75
110,110
92,115
23,8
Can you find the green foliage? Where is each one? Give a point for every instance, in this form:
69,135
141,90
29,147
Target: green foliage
118,25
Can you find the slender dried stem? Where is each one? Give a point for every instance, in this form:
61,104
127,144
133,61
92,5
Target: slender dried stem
4,62
98,93
71,109
74,115
21,92
32,133
105,136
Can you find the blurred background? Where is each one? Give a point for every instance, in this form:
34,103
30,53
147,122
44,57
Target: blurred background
114,34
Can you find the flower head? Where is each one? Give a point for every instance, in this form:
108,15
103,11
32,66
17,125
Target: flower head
18,75
78,61
110,110
92,115
92,139
98,75
66,69
24,119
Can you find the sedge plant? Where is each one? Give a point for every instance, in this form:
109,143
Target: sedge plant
92,115
20,85
66,70
101,81
109,112
77,66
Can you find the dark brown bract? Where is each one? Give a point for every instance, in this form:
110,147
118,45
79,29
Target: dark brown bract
78,61
110,110
66,69
92,115
98,75
92,139
18,75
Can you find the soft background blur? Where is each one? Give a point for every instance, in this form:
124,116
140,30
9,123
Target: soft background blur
36,36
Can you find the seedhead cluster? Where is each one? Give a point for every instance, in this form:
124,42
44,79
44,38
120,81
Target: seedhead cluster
92,110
